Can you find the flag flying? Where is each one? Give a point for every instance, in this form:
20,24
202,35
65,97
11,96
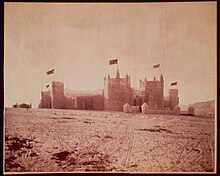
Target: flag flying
156,66
113,61
47,86
173,83
50,72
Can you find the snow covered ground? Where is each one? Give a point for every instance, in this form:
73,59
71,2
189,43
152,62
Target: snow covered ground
46,140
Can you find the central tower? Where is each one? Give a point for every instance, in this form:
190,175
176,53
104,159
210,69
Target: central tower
154,93
117,92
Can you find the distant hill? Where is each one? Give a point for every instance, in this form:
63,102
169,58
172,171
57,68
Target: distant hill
205,108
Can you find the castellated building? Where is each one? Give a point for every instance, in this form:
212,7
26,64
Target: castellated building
116,93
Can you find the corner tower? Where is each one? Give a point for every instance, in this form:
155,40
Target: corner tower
45,99
57,95
173,97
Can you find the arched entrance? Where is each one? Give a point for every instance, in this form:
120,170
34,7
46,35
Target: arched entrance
137,101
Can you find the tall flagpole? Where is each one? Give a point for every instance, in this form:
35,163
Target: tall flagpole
155,72
51,99
62,72
41,84
159,71
51,91
54,76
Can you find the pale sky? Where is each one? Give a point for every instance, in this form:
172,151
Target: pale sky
78,40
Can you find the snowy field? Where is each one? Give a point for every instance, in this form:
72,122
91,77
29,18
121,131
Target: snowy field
40,140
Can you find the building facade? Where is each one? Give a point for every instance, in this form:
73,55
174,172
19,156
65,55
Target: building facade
116,93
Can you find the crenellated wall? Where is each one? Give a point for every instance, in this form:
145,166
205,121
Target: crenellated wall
116,93
69,103
98,102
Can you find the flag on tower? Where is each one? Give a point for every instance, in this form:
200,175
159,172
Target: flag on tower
50,72
173,83
156,66
113,61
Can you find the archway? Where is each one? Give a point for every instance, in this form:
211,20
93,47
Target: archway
137,101
134,103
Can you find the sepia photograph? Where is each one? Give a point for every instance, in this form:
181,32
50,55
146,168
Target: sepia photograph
110,87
